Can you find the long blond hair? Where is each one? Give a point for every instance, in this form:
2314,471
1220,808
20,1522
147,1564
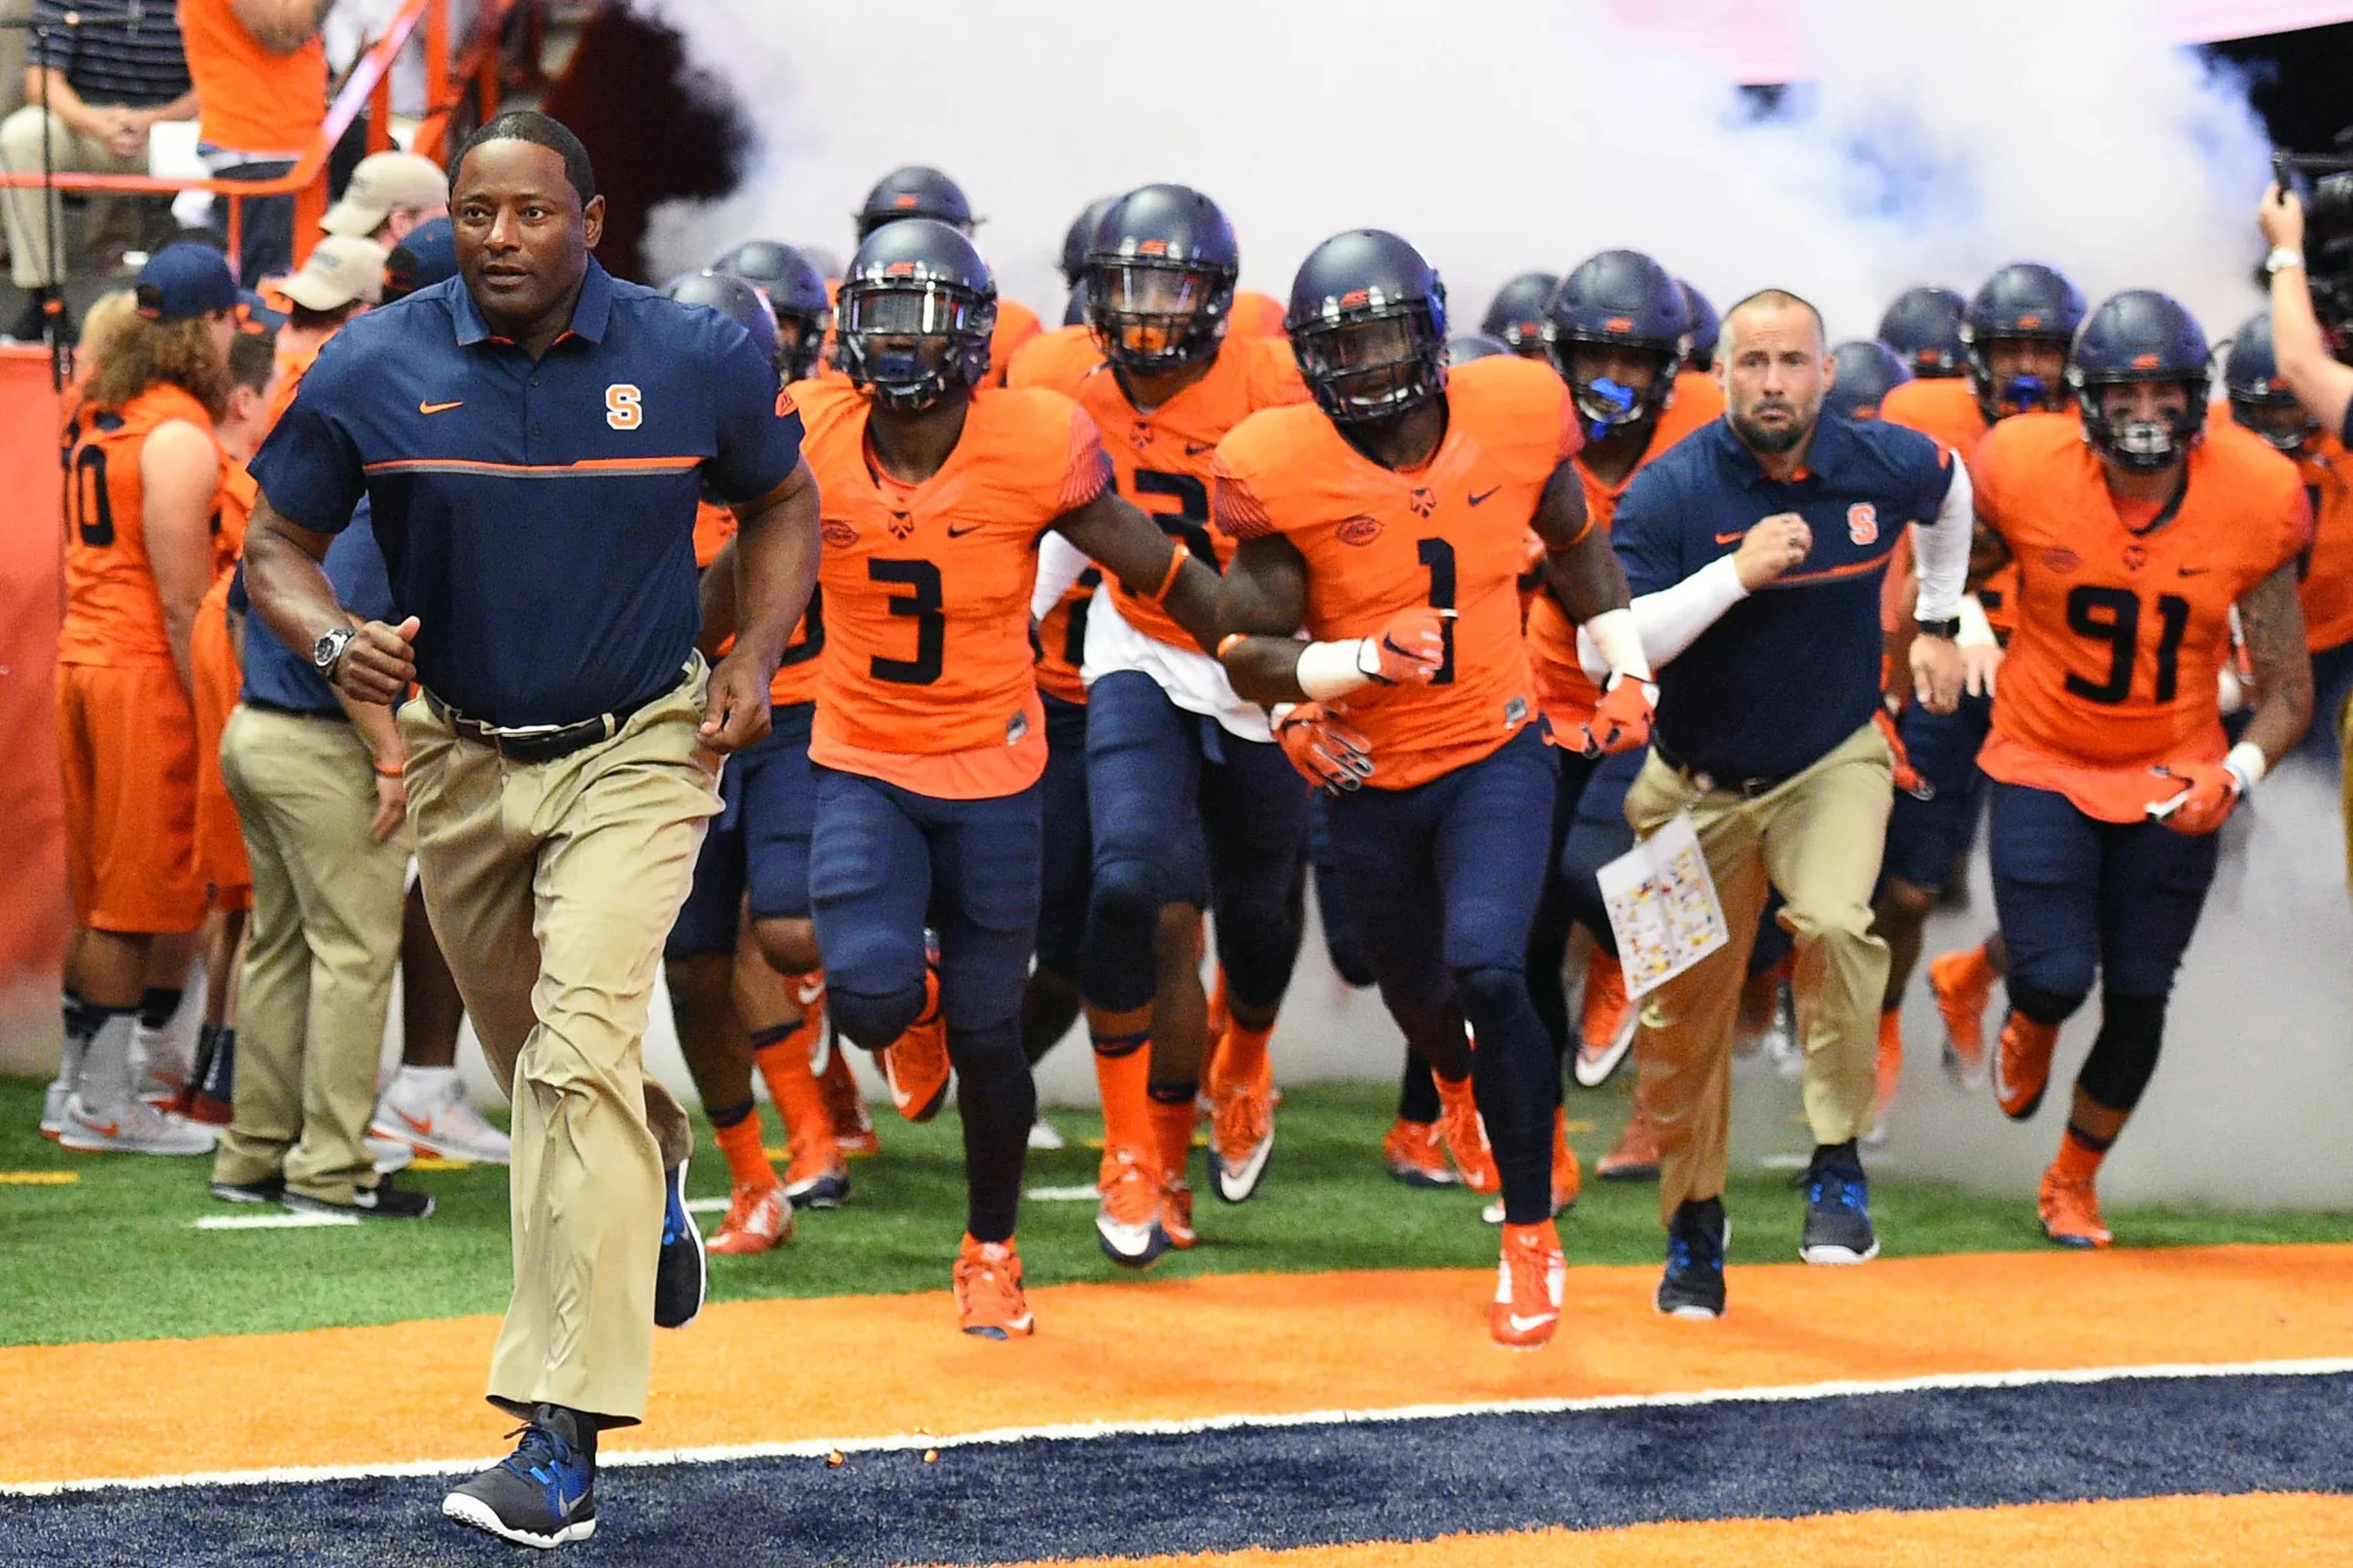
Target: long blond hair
141,354
108,315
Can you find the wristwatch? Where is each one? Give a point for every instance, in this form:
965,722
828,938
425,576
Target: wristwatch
1949,627
328,652
2282,257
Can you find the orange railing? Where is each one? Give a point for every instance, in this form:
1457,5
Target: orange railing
369,85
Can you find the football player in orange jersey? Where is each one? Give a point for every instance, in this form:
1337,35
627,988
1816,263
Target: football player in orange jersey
141,478
2014,333
1387,520
915,190
930,738
1192,803
796,296
1515,316
2137,526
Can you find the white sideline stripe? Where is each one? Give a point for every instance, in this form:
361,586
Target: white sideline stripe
270,1222
1082,1431
706,1205
1063,1194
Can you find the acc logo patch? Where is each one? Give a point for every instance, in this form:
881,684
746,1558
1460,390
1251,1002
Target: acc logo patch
2059,558
1863,522
838,533
1361,529
624,406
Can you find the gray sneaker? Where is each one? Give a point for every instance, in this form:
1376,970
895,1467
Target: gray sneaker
132,1128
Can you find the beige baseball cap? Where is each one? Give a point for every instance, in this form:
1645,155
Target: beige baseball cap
382,182
341,271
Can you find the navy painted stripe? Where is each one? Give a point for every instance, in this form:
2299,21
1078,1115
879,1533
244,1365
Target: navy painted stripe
1302,1486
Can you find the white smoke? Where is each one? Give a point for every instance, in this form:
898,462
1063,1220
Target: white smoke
1933,144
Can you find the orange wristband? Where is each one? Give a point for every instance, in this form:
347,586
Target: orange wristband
1177,560
1228,640
383,771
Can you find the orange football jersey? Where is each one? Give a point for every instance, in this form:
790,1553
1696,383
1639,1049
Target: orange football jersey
294,364
1378,542
1255,315
1062,640
927,588
232,517
114,612
2326,470
2121,633
1016,324
795,680
1944,409
1054,360
1161,460
1567,692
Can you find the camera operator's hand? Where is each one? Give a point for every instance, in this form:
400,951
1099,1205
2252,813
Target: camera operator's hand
2281,217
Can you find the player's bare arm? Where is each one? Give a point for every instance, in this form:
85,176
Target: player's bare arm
1262,599
290,591
179,474
2271,618
1581,572
2321,385
1148,564
774,566
1988,553
716,590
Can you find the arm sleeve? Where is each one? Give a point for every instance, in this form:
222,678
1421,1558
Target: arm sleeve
1060,566
309,469
1941,548
1671,619
1646,533
758,428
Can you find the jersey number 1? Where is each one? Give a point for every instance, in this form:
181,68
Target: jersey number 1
1439,557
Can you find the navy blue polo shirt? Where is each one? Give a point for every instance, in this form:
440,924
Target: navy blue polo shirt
535,516
1793,670
281,676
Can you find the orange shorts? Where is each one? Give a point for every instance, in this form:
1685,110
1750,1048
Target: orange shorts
219,842
128,745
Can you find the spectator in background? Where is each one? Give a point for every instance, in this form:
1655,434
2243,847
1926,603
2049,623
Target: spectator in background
105,83
261,75
389,195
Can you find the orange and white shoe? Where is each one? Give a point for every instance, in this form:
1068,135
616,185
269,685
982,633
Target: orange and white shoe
1530,1280
1635,1156
1127,1219
1465,1135
1176,1213
845,1107
2071,1212
1415,1154
916,1064
1606,1031
1963,984
988,1291
2022,1067
1241,1135
817,1176
758,1218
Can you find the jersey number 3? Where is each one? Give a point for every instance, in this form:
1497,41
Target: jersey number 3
928,608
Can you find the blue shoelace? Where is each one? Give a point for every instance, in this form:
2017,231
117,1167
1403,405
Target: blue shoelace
673,1213
1838,1187
547,1460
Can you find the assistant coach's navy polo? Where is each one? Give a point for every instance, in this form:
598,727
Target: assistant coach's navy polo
537,517
1793,670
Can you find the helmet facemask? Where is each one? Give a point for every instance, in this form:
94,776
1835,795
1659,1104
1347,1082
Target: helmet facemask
1152,316
1374,363
907,343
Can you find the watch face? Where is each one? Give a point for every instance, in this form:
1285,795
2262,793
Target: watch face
328,647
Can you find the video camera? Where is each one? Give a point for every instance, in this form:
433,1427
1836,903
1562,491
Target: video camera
2324,183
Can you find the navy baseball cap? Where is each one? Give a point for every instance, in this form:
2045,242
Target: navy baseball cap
426,257
256,314
186,280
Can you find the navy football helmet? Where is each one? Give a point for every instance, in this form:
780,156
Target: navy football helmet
1705,328
2023,300
914,191
915,313
740,301
1620,298
1516,315
2259,400
1160,279
1079,238
1862,374
2140,336
1465,347
796,293
1924,329
1368,324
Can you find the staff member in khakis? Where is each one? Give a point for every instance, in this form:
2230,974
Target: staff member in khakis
260,76
533,435
1769,733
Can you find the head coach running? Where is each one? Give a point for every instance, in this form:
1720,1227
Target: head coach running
533,435
1757,548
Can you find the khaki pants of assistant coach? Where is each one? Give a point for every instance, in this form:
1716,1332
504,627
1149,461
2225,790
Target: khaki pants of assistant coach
553,887
319,961
1818,838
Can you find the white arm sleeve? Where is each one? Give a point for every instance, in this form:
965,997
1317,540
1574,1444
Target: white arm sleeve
1672,618
1942,549
1060,565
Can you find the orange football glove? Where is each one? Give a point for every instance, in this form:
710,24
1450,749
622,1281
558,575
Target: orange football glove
2199,798
1621,720
1408,651
1908,778
1327,753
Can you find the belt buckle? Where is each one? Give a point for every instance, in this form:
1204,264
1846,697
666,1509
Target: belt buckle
1705,784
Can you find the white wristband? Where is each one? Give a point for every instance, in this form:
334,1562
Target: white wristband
1328,669
2247,764
1976,630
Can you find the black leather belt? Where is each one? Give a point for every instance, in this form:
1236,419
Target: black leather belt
262,704
1762,783
543,742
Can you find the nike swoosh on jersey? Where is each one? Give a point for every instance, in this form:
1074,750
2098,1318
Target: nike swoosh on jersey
958,533
1196,448
2193,571
440,407
1484,494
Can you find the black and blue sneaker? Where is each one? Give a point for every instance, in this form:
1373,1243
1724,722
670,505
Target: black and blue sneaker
1693,1285
1838,1208
678,1278
542,1494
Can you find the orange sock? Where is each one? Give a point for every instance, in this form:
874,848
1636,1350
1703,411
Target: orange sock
783,1058
1976,967
1242,1058
1173,1132
747,1162
1127,1105
2079,1157
1891,1052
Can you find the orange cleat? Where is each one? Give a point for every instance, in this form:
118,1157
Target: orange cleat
1606,1031
1635,1158
1891,1056
1569,1178
845,1108
1465,1135
1528,1282
988,1291
1963,984
2021,1069
1416,1154
1241,1135
758,1217
916,1064
1176,1213
817,1176
2071,1212
1127,1221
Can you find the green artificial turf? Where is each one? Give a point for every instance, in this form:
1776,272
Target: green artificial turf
113,1255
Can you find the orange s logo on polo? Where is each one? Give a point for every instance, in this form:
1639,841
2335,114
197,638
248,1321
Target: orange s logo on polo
1863,522
624,406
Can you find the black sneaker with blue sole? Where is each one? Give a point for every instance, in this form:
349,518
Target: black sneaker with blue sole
1693,1285
544,1495
1838,1209
679,1277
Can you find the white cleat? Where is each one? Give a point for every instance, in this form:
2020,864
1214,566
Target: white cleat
132,1128
388,1155
1044,1138
432,1116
